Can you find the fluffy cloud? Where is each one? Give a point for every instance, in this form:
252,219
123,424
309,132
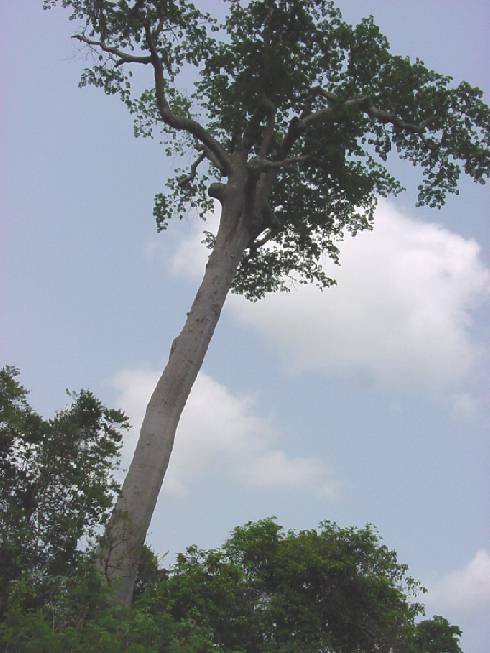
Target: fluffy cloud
400,314
464,591
219,430
273,468
190,255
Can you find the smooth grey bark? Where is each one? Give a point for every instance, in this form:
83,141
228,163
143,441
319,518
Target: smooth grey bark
125,534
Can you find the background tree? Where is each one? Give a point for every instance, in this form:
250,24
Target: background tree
335,589
57,482
293,116
264,590
434,635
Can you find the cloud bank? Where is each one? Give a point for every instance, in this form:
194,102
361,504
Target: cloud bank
219,431
401,313
463,591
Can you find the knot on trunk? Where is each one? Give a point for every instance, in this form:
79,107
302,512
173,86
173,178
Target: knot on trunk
217,190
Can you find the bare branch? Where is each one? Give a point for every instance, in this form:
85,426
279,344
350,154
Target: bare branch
212,148
125,57
297,125
192,174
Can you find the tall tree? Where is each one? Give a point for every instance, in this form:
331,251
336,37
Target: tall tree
292,118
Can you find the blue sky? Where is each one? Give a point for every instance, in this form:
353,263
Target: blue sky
367,403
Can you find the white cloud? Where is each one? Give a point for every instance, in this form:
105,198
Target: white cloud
464,591
400,314
274,468
190,255
220,429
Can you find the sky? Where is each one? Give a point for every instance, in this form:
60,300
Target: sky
367,403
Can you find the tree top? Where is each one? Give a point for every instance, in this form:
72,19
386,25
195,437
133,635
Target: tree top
308,106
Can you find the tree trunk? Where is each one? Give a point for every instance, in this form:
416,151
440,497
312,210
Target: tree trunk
119,551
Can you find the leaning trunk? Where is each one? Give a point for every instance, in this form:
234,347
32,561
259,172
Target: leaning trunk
126,531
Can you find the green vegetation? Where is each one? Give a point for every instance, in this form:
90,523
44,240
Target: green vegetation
56,481
265,590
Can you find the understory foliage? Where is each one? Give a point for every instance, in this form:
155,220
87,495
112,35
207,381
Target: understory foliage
266,589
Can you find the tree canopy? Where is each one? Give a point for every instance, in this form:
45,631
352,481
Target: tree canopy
334,588
314,106
264,590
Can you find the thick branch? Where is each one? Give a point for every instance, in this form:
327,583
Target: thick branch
189,125
124,57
